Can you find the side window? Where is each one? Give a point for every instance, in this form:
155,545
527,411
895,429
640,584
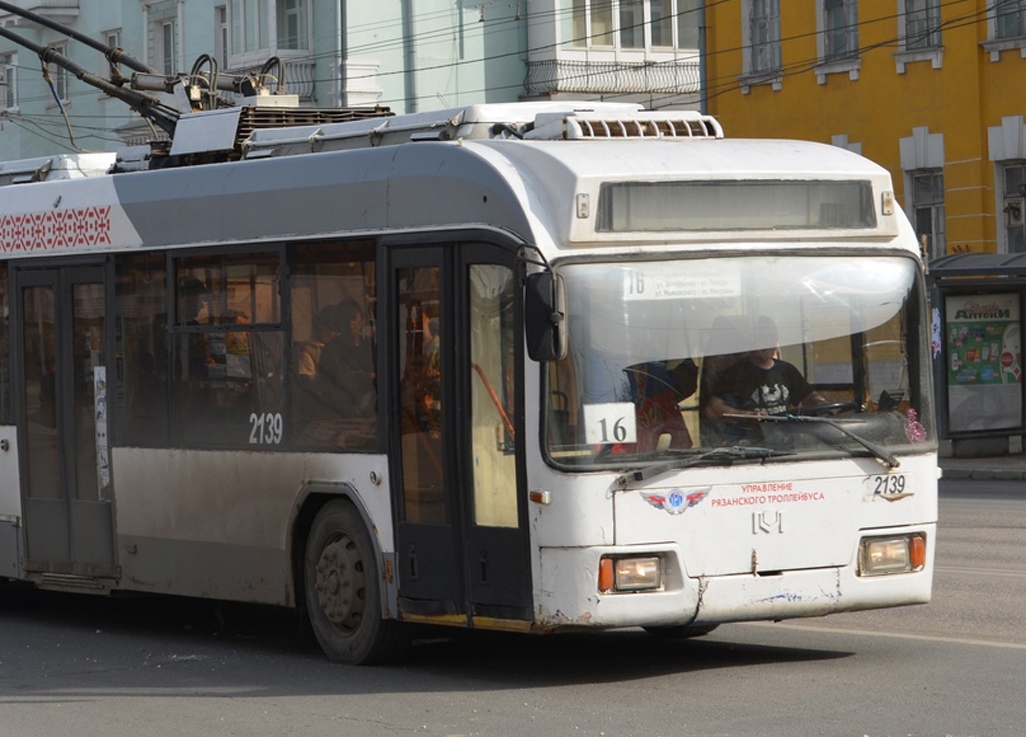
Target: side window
141,337
333,376
228,351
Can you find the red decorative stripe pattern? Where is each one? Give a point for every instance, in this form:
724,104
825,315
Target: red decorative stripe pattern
55,229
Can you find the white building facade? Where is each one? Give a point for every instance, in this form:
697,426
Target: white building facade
407,55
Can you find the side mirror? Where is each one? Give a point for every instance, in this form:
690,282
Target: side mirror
545,316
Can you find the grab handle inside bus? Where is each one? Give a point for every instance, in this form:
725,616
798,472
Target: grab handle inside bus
544,314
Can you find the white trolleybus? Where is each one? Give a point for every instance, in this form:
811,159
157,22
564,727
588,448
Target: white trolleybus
484,368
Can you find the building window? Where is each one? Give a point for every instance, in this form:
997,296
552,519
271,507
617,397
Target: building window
840,30
9,81
292,24
632,24
922,24
1014,205
837,39
257,25
635,24
661,25
919,32
59,75
1006,28
112,39
928,211
1010,16
221,35
764,22
166,45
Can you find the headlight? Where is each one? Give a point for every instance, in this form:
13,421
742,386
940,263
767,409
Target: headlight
881,556
630,574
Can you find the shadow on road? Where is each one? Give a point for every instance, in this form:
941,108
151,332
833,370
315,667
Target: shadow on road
75,643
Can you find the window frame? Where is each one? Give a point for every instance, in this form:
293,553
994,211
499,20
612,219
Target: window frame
583,21
935,207
754,25
166,34
264,22
9,67
1012,205
932,50
832,61
164,401
60,78
997,42
1019,8
838,27
928,14
222,35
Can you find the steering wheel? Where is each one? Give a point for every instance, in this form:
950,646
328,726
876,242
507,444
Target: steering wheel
830,408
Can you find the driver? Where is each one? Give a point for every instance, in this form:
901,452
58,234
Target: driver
758,385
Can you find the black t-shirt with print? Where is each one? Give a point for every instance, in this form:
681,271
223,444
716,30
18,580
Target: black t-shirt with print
774,390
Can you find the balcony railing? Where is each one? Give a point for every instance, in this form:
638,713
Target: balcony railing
612,77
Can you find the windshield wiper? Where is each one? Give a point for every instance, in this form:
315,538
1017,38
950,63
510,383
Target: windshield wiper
879,452
729,454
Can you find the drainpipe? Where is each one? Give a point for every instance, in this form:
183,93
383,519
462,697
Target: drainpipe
409,58
703,72
340,95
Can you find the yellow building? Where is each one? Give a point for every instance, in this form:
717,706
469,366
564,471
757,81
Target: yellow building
930,89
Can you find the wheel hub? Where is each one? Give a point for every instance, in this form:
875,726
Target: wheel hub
340,584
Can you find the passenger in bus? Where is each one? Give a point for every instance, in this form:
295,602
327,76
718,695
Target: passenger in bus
723,339
346,379
761,384
308,406
193,299
195,397
713,369
658,388
325,327
48,392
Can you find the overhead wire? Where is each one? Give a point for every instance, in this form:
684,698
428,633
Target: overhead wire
796,67
719,86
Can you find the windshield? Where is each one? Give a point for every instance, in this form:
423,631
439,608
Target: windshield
673,358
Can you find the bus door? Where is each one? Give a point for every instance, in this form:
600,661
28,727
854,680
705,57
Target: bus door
62,390
459,490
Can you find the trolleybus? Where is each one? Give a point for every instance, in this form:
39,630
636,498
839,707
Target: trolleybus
459,368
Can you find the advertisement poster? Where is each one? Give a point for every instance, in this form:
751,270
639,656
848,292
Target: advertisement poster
984,362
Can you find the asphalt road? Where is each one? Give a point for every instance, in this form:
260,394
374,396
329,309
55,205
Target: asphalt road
74,665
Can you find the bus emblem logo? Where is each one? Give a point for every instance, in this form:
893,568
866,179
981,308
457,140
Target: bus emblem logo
767,522
677,501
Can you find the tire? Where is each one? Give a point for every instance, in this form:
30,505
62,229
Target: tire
681,632
342,586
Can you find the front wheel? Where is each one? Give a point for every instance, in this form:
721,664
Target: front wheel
343,590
